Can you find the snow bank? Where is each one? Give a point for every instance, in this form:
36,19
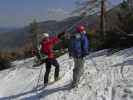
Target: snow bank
105,78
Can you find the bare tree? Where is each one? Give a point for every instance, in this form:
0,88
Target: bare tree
90,7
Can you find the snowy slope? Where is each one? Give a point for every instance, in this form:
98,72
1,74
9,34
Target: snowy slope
105,78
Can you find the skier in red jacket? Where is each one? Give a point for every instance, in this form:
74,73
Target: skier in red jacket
47,45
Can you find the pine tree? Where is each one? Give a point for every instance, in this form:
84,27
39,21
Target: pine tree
34,31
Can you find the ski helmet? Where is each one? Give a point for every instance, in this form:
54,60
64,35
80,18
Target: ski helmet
46,35
80,28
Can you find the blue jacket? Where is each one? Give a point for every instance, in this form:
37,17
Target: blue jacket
79,45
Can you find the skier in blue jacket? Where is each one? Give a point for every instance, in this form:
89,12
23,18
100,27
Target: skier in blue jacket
78,49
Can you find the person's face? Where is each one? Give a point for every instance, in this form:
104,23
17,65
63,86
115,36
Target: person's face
46,38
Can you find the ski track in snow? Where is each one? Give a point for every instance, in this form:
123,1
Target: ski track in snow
105,77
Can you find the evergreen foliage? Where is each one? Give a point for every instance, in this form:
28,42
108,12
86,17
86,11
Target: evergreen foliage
4,63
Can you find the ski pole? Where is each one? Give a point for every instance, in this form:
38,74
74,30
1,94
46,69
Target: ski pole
39,76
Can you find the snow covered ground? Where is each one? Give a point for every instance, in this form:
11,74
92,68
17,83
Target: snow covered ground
105,78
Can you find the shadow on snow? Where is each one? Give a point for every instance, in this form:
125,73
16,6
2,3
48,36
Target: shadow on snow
39,92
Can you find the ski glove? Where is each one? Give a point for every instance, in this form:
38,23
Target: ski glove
33,52
61,34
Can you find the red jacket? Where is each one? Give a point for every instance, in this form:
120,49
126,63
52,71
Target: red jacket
47,46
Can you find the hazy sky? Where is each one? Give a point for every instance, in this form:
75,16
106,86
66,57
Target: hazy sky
17,13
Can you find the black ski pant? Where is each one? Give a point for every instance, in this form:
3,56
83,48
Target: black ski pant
49,63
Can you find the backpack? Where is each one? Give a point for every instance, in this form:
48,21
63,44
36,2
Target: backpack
79,45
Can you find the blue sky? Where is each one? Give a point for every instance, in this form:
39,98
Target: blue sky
17,13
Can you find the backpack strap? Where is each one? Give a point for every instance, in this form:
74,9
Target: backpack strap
84,52
82,46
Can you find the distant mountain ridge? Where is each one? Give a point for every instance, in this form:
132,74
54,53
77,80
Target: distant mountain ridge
5,29
16,37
